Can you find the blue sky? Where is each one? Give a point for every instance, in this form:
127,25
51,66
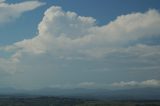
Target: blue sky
97,44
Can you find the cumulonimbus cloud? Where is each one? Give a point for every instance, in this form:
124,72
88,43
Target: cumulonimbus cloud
67,35
68,32
121,44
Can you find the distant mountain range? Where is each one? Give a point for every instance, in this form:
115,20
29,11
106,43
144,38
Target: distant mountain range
127,94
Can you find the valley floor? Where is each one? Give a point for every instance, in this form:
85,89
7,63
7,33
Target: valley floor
56,101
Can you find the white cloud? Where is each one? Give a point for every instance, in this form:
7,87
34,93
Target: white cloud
147,83
115,85
1,1
63,33
10,12
66,36
69,36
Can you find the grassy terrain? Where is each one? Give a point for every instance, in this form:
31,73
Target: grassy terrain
54,101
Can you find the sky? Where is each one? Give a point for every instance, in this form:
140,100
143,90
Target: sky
102,44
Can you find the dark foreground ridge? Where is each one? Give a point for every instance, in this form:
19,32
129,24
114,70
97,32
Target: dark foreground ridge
39,101
60,101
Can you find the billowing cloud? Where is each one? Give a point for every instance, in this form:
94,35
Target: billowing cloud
66,40
147,83
61,33
9,12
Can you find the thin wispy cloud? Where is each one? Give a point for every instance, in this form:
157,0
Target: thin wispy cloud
9,12
135,84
